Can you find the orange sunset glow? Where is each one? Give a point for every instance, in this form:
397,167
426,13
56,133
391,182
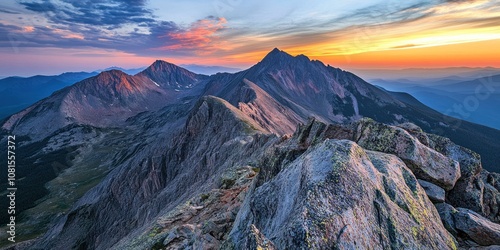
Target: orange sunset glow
368,34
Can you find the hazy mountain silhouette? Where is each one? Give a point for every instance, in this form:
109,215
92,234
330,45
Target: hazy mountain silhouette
473,100
20,92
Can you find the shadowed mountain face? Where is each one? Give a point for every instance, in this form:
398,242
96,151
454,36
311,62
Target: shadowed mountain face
305,88
170,76
18,92
171,159
309,88
107,99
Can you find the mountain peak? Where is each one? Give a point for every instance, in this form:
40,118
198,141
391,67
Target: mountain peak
110,76
160,65
112,72
171,76
276,54
276,50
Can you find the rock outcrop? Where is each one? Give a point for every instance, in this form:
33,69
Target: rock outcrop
476,189
326,186
435,193
425,162
478,228
338,196
468,226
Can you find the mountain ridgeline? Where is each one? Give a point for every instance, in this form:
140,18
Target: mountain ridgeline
19,93
289,153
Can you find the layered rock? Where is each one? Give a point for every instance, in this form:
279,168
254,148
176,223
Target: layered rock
314,132
171,76
476,189
468,226
425,162
337,195
435,193
478,228
303,195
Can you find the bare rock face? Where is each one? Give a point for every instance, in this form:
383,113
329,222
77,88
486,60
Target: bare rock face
491,195
435,193
492,247
468,226
476,189
470,162
416,132
252,100
170,76
425,163
258,240
446,212
338,196
478,228
106,100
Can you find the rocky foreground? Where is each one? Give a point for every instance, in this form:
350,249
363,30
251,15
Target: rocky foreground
363,186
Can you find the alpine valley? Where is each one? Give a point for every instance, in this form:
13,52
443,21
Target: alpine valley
288,154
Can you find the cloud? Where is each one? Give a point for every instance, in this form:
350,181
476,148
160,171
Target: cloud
132,27
8,11
200,36
459,1
28,29
405,46
383,26
109,13
129,26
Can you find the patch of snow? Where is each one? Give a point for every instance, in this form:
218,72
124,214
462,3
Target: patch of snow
398,117
355,104
155,83
443,124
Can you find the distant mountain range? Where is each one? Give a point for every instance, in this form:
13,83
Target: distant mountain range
429,75
20,92
209,70
288,154
473,100
126,71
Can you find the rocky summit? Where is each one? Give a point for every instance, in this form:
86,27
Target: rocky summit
288,154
